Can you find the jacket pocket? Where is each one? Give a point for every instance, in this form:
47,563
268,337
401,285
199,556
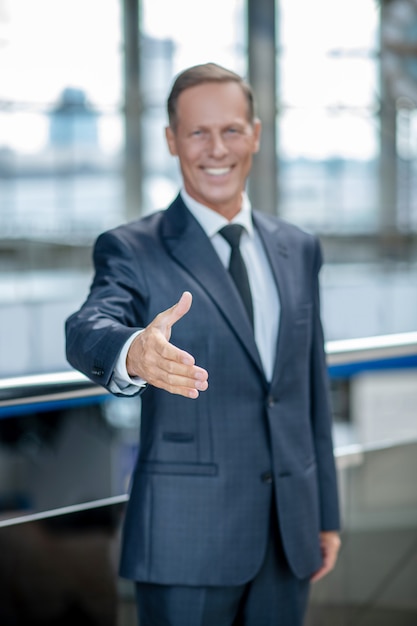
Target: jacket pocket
186,469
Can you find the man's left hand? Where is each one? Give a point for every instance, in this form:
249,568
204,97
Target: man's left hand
330,545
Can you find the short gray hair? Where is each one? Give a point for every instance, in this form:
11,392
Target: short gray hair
201,74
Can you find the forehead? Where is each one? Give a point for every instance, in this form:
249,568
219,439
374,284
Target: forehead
212,103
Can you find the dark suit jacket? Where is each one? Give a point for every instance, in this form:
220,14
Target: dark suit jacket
202,489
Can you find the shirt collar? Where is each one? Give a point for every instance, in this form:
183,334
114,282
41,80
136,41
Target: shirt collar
212,222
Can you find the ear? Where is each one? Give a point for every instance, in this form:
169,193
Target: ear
171,141
257,130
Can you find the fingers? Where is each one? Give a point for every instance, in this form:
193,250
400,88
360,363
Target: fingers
165,320
330,545
321,573
188,382
154,359
170,368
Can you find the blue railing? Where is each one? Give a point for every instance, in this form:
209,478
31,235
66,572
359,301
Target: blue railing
344,358
350,356
24,395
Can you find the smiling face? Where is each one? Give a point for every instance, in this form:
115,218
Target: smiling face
214,141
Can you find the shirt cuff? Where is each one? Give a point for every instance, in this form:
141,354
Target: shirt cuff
121,382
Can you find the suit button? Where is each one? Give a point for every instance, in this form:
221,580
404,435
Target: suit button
266,477
270,402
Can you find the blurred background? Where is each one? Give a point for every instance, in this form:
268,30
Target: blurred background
82,114
83,85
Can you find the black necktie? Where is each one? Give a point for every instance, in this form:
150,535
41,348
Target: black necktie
237,267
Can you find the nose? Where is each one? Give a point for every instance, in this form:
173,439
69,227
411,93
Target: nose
218,147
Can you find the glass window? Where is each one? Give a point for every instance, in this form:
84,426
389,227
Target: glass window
60,123
61,141
62,145
328,127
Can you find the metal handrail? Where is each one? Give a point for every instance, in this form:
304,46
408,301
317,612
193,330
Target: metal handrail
71,384
47,387
345,457
24,390
346,351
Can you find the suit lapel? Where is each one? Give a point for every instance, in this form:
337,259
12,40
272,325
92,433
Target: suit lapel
191,248
280,260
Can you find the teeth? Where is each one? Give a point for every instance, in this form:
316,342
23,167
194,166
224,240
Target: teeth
218,171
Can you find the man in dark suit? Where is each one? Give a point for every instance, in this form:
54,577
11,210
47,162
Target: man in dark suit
233,507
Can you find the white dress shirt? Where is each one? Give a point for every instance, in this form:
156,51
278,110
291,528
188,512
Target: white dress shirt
266,306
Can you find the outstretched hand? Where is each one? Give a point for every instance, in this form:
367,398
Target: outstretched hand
157,361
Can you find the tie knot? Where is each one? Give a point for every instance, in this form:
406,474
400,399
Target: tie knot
232,234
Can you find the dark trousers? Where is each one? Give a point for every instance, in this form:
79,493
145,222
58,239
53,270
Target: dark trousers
275,597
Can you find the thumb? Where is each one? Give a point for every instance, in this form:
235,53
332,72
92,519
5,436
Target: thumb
166,319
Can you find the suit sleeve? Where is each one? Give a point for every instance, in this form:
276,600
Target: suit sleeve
322,415
112,312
